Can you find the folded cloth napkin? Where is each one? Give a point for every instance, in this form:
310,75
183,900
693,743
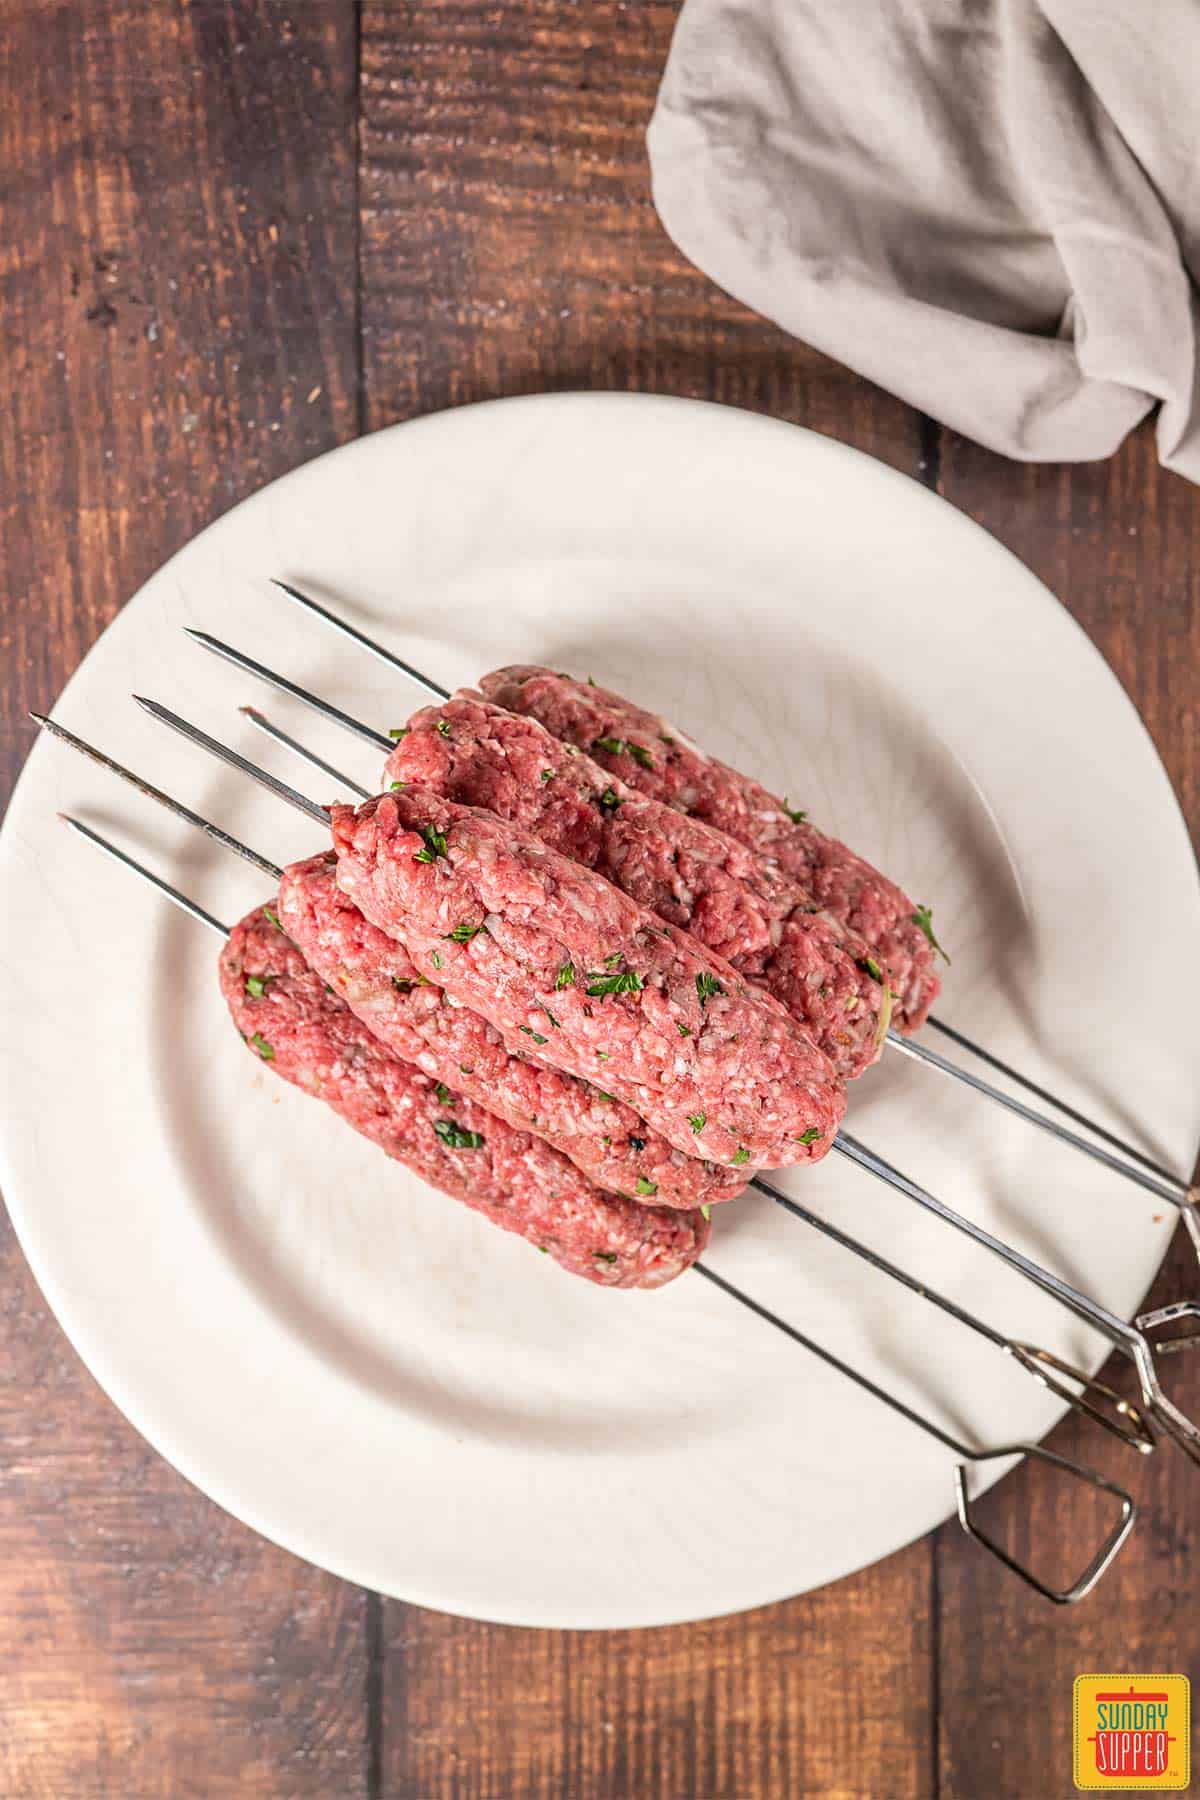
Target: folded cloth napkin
991,207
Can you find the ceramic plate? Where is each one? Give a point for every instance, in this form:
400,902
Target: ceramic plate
368,1373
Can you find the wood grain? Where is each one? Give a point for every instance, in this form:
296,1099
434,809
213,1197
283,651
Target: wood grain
1119,542
177,303
509,244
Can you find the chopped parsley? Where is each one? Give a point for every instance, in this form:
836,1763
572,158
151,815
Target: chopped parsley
924,918
546,775
591,681
393,785
455,1138
435,957
871,966
610,962
697,1121
706,986
611,1098
608,801
810,1136
743,1156
664,739
646,1188
444,1095
707,1211
265,1050
565,977
463,933
434,845
255,985
551,1018
443,727
397,732
269,913
608,1256
535,1035
683,1030
620,981
794,813
603,1055
616,746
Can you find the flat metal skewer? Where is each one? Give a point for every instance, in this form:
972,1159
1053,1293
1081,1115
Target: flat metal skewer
1175,1189
1169,1189
967,1456
1107,1409
1127,1338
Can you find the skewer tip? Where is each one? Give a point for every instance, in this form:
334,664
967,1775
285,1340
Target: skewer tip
40,719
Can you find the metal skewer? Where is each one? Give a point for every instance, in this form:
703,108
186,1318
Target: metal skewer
1108,1409
1179,1187
968,1457
1127,1338
1162,1185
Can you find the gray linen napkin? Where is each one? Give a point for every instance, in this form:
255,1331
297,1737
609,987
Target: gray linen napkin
991,207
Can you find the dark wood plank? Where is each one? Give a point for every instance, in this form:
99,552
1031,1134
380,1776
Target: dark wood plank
1120,544
509,241
177,309
509,244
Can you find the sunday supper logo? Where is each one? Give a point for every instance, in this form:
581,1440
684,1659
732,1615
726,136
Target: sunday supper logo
1132,1731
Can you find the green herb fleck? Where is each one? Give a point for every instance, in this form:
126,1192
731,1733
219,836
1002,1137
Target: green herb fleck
871,967
393,785
810,1136
455,1138
435,844
620,981
706,986
551,1018
614,745
443,727
608,801
743,1156
255,985
683,1030
398,731
924,918
794,813
611,1098
435,957
444,1095
610,962
543,1250
565,977
535,1035
269,913
463,933
608,1256
664,739
264,1049
546,775
698,1121
603,1056
591,681
707,1211
646,1188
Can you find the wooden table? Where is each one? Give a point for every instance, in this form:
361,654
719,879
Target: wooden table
238,234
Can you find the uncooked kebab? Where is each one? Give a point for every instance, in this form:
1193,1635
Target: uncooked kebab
303,1032
542,946
379,981
738,904
655,758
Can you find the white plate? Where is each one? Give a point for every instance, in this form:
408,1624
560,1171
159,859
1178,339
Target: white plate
369,1374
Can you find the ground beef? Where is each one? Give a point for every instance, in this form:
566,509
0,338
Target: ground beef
745,909
378,980
605,990
291,1022
655,758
